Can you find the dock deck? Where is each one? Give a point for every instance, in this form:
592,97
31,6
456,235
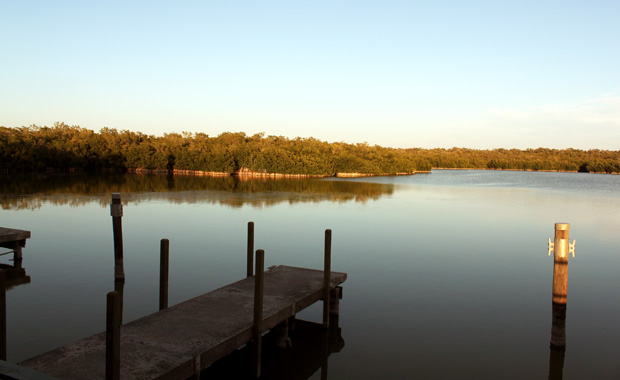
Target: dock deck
14,239
164,345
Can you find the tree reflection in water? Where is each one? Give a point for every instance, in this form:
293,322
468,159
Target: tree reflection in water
18,192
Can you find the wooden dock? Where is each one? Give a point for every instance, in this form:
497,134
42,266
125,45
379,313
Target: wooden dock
176,342
14,239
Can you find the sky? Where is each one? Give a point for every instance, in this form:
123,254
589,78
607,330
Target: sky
403,74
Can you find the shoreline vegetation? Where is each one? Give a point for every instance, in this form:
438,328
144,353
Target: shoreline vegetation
65,148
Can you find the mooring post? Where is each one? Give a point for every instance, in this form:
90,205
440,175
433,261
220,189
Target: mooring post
164,249
113,337
2,315
561,248
17,253
257,329
250,249
116,210
327,277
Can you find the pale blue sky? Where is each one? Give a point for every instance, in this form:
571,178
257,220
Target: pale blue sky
478,74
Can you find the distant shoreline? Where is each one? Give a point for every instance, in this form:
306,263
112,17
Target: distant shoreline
528,170
256,175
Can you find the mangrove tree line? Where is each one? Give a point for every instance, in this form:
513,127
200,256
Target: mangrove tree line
63,147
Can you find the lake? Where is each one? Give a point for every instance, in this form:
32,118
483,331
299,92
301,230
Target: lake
448,272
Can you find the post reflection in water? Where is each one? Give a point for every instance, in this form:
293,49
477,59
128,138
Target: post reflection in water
311,345
561,248
15,275
556,359
10,276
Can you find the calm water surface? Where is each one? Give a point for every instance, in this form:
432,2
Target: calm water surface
448,272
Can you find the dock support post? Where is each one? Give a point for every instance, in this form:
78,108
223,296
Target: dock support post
281,334
164,262
116,210
327,277
17,253
335,295
197,367
561,248
250,249
113,337
2,315
257,329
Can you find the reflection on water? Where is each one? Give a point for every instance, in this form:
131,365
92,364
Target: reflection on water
556,364
444,265
15,275
311,346
33,190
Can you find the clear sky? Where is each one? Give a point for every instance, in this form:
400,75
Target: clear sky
477,74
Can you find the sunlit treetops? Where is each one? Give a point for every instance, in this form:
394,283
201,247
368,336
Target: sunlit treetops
63,147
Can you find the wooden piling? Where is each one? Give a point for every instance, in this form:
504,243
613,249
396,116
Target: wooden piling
257,329
113,337
119,287
335,295
164,261
561,249
327,268
116,210
560,262
197,367
250,249
17,254
2,315
281,335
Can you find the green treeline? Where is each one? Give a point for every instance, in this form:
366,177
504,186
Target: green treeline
63,147
572,160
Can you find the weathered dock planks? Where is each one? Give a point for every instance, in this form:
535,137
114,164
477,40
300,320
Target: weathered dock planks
167,344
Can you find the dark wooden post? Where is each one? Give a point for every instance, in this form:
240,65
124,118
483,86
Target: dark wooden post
17,253
250,249
335,295
561,249
281,334
113,337
116,210
2,315
257,329
164,249
197,367
327,276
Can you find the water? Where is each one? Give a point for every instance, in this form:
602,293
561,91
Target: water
448,272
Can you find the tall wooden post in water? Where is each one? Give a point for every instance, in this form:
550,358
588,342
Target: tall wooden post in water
116,210
257,327
561,248
250,250
113,336
327,271
2,315
164,261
